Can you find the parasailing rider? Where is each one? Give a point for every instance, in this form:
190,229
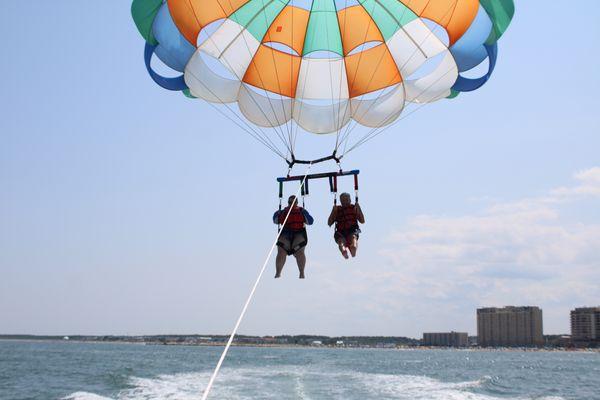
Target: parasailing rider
346,218
293,238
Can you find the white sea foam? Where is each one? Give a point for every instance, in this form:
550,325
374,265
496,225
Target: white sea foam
420,387
85,396
298,383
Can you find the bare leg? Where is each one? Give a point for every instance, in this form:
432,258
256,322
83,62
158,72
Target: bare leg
353,246
280,261
301,261
342,246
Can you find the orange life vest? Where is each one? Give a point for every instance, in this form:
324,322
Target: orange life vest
346,218
295,221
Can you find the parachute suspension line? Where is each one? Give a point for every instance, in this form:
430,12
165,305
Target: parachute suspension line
338,143
245,308
248,129
350,127
288,123
377,131
279,87
264,139
276,129
258,139
293,101
278,84
449,12
312,41
337,135
336,116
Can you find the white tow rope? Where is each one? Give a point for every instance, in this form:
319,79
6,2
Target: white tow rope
241,317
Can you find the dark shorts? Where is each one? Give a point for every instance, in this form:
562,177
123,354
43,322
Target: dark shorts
347,234
292,241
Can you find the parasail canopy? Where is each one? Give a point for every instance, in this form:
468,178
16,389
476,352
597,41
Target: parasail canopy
324,66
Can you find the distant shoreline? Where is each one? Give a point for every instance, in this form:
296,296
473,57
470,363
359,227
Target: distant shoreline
304,346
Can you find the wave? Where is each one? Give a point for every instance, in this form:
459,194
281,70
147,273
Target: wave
85,396
301,383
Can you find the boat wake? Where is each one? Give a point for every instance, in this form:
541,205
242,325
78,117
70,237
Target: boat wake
299,383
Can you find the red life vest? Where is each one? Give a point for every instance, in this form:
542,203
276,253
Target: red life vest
346,218
295,221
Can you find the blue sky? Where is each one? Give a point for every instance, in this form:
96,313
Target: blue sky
128,209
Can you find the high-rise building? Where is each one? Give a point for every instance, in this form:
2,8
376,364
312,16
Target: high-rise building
510,326
585,324
446,339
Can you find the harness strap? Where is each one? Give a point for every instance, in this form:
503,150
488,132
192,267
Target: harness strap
280,204
335,190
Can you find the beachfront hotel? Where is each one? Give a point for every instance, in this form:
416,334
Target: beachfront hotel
446,339
509,326
585,324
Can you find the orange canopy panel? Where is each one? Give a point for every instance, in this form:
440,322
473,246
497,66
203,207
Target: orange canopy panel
191,16
274,71
289,28
371,70
357,27
454,15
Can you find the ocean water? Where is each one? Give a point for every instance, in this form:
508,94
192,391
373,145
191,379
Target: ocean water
85,371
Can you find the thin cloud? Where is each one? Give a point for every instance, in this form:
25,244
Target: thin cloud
529,251
588,185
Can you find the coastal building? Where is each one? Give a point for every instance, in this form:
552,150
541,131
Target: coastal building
446,339
585,324
509,326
